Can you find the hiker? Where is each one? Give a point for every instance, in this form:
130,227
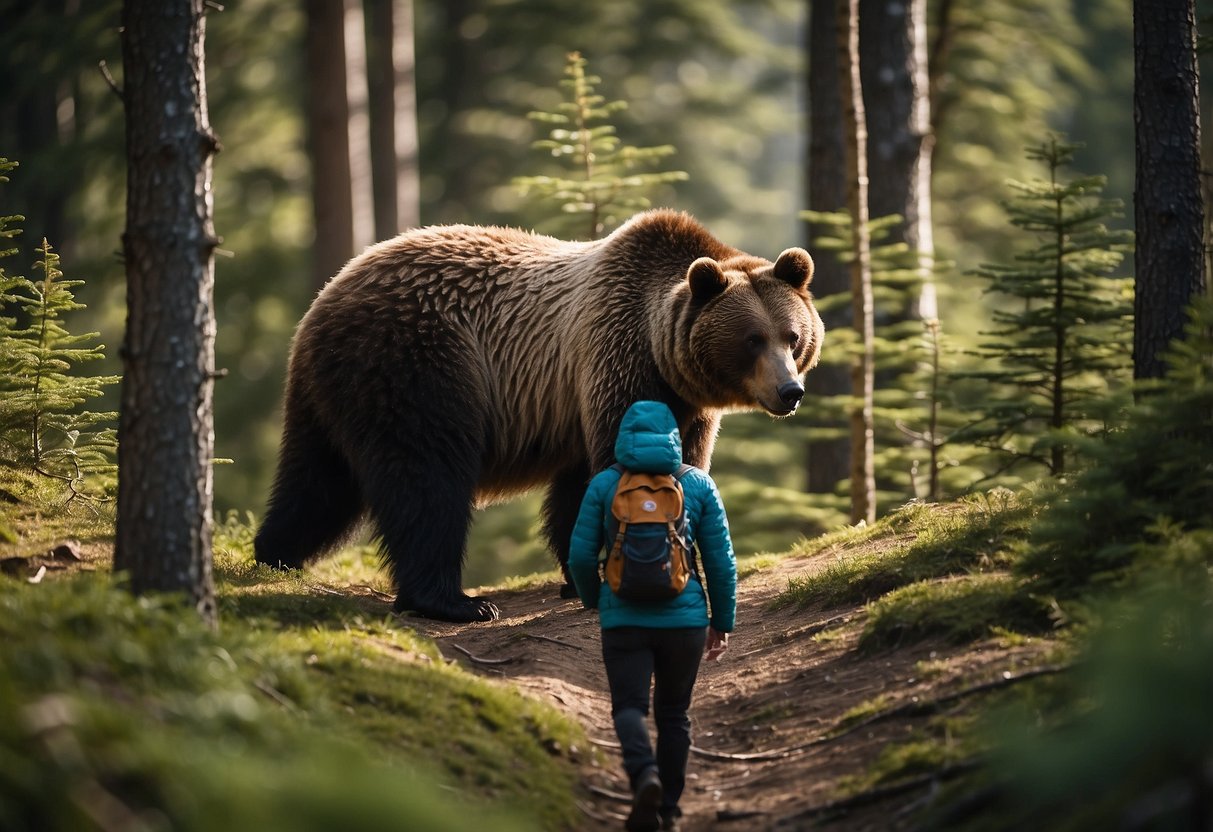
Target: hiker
661,641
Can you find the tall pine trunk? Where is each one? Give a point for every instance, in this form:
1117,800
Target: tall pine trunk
391,78
1169,214
855,141
362,200
328,119
165,429
828,459
893,67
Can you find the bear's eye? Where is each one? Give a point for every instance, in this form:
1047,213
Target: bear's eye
794,341
755,342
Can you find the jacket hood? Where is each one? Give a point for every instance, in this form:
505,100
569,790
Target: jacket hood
648,439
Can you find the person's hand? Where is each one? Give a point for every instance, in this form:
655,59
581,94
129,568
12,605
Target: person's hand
716,644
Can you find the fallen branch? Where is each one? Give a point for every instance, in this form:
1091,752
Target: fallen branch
552,639
478,659
277,695
878,794
750,756
934,705
609,793
908,709
377,593
598,816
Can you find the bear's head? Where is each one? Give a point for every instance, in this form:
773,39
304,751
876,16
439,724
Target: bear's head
751,331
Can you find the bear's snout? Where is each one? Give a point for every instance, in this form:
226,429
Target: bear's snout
790,393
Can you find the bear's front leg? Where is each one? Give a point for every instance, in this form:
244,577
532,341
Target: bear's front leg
699,440
424,534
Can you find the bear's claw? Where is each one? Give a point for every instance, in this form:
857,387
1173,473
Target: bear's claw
461,609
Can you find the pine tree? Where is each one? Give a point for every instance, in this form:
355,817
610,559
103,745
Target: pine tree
1149,480
44,426
601,187
910,418
1064,326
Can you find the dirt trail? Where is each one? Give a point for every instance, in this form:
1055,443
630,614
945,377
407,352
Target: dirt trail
777,689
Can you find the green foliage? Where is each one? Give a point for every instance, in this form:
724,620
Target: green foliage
108,703
924,751
958,609
1146,483
44,426
1060,354
1125,740
975,535
601,187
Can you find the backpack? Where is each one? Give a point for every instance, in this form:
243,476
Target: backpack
649,559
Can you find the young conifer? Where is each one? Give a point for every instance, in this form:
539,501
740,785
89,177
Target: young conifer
44,426
602,185
910,418
1060,353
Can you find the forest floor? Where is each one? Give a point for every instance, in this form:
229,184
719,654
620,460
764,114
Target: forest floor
794,728
787,726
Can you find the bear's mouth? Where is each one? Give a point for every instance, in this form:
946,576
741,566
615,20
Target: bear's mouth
780,411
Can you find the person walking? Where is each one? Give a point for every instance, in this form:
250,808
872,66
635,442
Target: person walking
658,643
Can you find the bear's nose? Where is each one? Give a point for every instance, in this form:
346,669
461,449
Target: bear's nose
791,392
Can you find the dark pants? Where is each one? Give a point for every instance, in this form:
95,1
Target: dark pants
636,657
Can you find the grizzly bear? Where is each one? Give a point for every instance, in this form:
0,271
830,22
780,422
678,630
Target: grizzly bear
456,366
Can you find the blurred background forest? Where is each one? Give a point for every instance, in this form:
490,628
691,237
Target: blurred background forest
724,83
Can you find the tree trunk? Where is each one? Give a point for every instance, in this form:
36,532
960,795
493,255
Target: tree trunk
893,67
362,200
855,141
1169,214
165,430
459,91
328,119
828,459
391,78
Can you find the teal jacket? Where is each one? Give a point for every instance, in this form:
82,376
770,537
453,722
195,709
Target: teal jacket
648,441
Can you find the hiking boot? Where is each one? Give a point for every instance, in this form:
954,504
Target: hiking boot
669,819
646,798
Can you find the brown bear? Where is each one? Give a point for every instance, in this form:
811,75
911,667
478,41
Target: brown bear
456,366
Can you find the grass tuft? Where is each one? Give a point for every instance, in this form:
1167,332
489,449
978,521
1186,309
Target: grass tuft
978,534
958,609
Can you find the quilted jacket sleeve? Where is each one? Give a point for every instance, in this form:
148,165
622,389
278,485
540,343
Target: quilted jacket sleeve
588,538
717,562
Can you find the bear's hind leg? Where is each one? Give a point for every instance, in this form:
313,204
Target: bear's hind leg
314,503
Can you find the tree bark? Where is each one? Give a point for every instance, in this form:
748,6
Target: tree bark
828,459
328,119
165,428
391,78
893,68
1168,210
362,200
863,487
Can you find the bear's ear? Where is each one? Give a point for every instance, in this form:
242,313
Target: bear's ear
706,278
795,267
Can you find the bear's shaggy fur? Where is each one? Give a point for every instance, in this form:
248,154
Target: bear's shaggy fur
455,366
